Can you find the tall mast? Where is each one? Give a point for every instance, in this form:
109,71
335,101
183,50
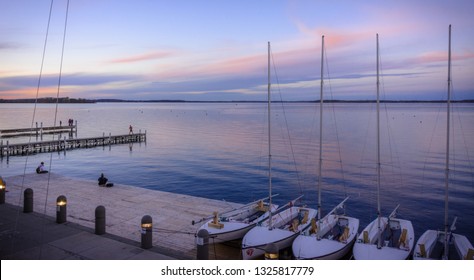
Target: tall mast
446,185
379,242
320,135
270,226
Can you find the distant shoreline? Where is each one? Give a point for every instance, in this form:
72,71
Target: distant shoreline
67,100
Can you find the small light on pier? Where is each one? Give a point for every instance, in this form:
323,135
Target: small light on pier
146,232
61,209
3,187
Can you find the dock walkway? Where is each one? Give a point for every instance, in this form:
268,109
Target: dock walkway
20,149
172,214
37,131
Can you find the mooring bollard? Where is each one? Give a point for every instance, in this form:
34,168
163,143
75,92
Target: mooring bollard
202,245
100,220
61,207
147,232
28,201
3,189
271,252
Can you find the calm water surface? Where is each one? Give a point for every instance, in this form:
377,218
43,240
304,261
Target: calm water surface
219,151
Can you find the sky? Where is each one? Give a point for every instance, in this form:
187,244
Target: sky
217,50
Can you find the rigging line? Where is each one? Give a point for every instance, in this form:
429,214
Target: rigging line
56,110
389,131
287,127
463,137
335,125
425,163
34,113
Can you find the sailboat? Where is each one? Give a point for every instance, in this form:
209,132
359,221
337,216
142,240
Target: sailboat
385,238
435,244
233,224
330,237
283,226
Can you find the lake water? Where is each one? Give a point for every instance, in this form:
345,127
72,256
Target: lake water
220,151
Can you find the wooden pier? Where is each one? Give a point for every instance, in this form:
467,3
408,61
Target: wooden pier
67,144
38,131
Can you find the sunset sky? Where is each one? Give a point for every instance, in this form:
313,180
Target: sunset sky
217,50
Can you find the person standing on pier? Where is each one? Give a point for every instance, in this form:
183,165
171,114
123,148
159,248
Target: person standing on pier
130,130
40,169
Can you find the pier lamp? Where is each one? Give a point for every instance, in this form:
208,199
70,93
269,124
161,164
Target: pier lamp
146,232
61,204
271,252
3,187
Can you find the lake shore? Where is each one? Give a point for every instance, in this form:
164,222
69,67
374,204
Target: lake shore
173,232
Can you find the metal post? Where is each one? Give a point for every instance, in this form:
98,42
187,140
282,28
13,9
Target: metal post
147,232
271,252
202,244
100,220
28,201
61,207
3,188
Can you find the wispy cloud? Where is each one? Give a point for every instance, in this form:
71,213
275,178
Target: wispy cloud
8,45
441,56
143,57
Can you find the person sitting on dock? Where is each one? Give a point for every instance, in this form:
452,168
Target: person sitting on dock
102,180
40,169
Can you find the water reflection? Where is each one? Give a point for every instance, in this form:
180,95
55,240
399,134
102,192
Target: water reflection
219,151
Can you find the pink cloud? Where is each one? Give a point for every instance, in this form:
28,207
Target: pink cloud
442,56
143,57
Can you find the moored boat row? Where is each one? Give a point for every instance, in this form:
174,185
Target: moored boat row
335,235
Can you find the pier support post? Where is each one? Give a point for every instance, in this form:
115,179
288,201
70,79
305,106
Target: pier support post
271,252
3,188
202,245
28,201
61,209
147,232
100,220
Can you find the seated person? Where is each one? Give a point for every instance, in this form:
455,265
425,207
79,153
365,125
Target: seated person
40,169
102,180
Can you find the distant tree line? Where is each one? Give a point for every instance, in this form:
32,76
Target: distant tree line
83,100
48,100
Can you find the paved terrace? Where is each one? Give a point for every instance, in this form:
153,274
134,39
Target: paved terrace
37,235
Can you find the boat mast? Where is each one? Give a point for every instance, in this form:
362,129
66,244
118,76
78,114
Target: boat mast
320,136
270,226
446,186
379,239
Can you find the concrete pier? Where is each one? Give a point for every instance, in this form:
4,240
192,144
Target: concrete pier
173,233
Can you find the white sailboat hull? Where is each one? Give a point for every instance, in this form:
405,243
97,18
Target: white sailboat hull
255,241
235,226
368,249
332,246
431,238
230,231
